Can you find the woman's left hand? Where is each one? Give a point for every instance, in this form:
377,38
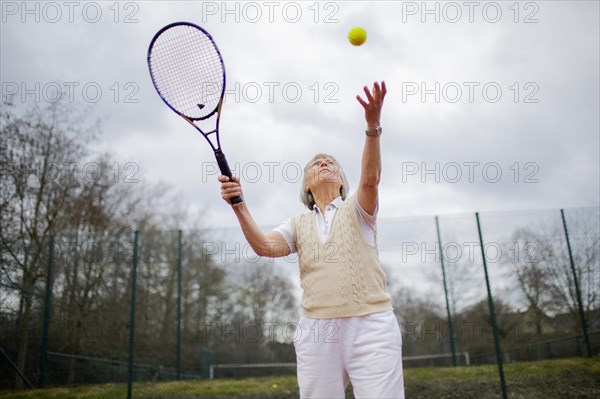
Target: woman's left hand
373,104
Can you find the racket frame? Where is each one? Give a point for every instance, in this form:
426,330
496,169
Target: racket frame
220,157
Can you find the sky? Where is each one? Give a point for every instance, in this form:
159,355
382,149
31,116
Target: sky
491,106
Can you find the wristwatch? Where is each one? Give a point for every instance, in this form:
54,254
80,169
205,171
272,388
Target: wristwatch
374,132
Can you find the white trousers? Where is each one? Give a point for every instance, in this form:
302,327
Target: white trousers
366,350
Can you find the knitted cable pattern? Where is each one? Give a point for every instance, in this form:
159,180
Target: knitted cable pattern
340,277
303,224
349,245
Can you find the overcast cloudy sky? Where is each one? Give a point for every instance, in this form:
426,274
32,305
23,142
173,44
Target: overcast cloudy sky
490,106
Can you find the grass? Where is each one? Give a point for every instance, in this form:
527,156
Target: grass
563,378
548,379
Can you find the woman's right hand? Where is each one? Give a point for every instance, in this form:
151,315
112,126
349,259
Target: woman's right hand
230,188
271,244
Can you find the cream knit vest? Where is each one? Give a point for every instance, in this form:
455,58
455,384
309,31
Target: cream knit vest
341,277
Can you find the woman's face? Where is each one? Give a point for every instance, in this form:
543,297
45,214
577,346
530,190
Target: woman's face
323,170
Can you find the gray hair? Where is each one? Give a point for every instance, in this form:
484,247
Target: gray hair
306,196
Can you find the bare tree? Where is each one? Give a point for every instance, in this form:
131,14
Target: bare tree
35,192
530,258
258,298
476,336
587,269
544,276
99,218
423,322
47,188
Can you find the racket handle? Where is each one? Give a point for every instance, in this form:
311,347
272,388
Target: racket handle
224,166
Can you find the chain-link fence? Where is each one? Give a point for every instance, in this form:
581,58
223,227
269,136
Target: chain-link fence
168,305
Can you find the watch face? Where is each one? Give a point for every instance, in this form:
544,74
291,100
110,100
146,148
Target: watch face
374,132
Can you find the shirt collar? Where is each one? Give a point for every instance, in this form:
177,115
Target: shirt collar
336,203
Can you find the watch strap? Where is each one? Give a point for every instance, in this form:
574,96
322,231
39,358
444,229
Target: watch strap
373,132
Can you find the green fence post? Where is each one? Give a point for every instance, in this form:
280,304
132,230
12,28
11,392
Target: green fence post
586,338
179,260
47,307
450,327
132,315
492,313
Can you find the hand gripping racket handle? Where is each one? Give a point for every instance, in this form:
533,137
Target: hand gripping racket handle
224,166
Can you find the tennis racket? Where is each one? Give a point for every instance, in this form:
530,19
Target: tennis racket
188,73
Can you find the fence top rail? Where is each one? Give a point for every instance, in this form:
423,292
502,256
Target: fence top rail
434,356
564,339
241,365
99,360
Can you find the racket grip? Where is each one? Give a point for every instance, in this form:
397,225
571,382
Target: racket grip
224,167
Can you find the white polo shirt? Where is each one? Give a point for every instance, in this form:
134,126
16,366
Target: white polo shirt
367,222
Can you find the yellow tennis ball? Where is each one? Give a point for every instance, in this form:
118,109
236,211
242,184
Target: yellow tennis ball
357,36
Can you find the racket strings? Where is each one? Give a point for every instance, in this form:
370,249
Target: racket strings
187,71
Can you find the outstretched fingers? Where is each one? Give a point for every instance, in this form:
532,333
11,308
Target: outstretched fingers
374,97
373,103
362,102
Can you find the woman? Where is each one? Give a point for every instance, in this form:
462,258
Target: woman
348,331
